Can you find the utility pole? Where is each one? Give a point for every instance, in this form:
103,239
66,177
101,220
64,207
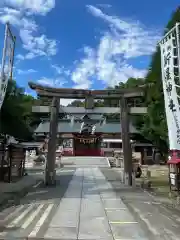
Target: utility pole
50,173
127,151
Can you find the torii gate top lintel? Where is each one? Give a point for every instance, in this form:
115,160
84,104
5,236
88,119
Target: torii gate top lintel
89,95
82,93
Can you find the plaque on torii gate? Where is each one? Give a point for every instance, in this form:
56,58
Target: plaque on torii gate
120,94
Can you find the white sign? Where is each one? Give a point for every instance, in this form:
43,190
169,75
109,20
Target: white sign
173,178
172,175
173,181
168,46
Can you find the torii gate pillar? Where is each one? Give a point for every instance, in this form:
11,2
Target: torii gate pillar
126,145
122,94
50,173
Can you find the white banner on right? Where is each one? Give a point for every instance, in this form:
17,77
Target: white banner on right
170,54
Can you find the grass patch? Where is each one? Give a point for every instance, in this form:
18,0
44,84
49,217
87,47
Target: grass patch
159,179
160,185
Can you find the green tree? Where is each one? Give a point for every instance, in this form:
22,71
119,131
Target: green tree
77,103
16,116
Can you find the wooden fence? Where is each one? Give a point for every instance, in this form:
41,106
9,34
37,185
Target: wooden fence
12,162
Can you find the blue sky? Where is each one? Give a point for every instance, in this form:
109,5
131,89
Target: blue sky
83,44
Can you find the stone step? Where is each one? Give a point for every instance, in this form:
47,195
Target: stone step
85,161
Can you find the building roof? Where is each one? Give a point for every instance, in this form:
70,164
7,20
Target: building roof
65,127
31,144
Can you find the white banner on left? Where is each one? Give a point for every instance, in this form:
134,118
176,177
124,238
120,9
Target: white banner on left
7,62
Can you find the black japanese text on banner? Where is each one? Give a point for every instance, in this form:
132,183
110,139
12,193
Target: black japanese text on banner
168,45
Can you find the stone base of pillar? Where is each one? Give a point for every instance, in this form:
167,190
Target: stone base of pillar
133,180
118,162
50,178
126,178
127,181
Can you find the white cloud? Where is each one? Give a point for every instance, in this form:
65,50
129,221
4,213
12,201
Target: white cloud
85,85
10,15
29,55
21,72
109,62
59,70
20,14
20,57
57,82
104,5
37,46
67,73
31,6
85,69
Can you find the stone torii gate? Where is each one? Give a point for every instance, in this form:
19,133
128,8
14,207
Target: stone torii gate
89,95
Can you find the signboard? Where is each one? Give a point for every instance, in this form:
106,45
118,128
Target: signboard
169,56
173,179
67,143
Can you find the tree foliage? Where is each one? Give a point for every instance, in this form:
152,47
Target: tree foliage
77,103
16,118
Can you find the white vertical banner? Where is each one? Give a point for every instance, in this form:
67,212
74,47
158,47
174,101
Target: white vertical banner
3,77
168,46
7,62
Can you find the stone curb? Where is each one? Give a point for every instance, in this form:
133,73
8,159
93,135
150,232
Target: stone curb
14,197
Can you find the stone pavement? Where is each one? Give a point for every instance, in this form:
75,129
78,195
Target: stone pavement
87,203
83,162
161,221
10,191
86,208
34,212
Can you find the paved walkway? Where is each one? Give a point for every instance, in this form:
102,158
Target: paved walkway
82,162
161,221
89,209
88,204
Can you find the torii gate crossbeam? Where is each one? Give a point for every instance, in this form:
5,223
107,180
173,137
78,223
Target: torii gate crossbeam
89,95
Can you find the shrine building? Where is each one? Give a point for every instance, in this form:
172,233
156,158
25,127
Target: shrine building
105,139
